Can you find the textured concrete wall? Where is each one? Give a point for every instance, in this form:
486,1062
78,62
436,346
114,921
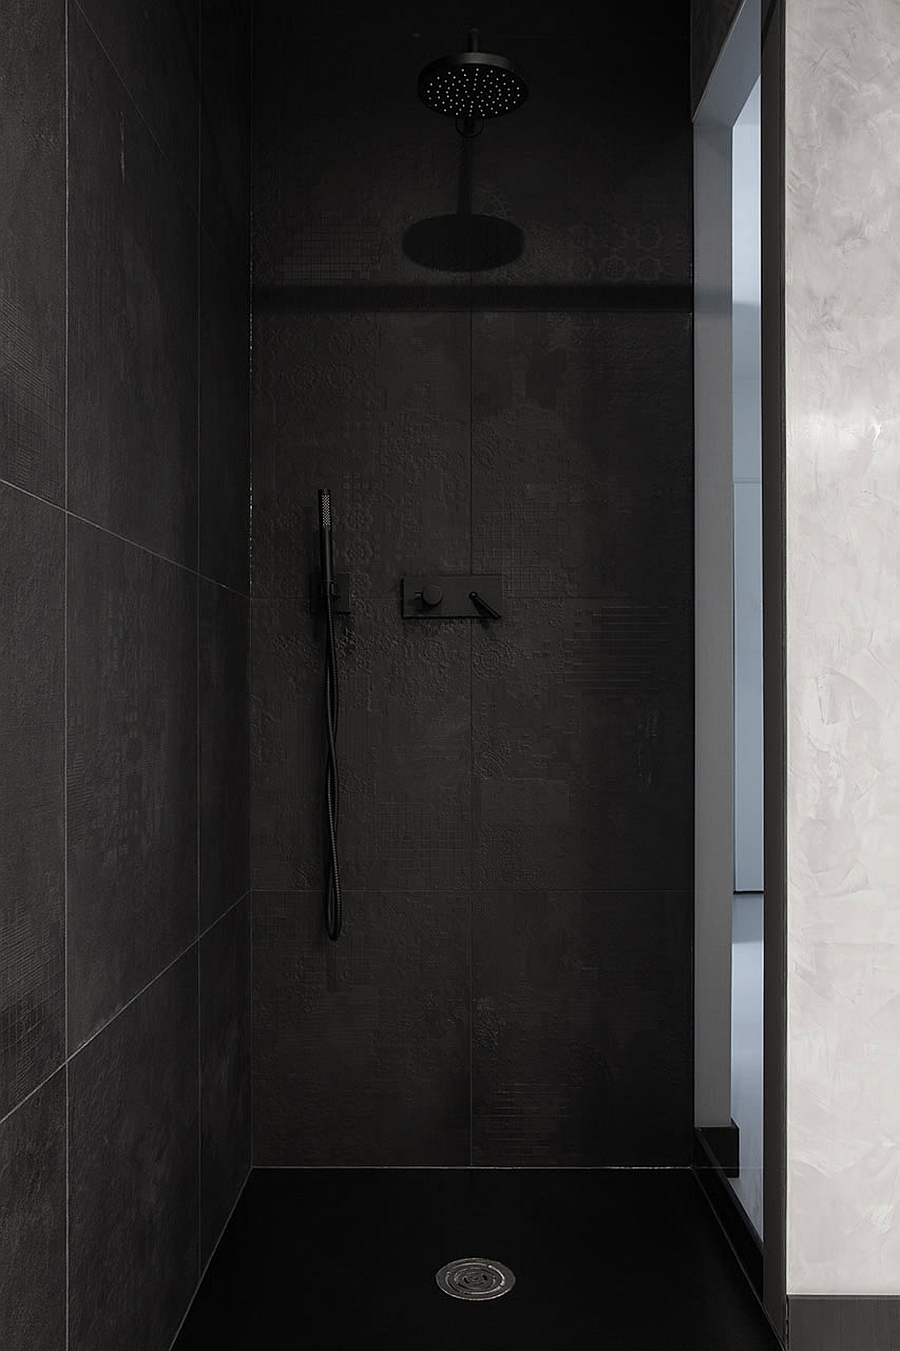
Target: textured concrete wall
843,644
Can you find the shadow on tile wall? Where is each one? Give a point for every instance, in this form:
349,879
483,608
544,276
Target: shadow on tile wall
513,985
124,608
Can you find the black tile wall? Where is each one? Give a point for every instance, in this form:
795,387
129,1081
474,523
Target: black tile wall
132,316
133,1171
32,786
606,199
582,740
132,735
358,93
581,1028
581,454
405,727
375,407
155,52
33,248
224,423
224,1070
532,417
124,721
378,1022
225,129
224,750
33,1232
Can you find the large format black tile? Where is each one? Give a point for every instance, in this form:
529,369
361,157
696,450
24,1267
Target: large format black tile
361,1047
155,50
224,1070
132,706
582,446
32,788
224,750
376,408
225,129
224,423
133,1169
581,731
33,247
403,748
581,1028
619,1258
132,317
33,1232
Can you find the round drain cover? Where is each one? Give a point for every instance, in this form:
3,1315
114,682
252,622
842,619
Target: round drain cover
475,1278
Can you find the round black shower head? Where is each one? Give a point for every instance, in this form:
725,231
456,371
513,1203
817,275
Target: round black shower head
472,85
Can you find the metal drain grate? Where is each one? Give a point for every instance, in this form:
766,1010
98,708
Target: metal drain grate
475,1278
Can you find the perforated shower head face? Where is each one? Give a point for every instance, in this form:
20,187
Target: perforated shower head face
472,85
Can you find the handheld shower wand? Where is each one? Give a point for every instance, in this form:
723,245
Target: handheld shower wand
333,902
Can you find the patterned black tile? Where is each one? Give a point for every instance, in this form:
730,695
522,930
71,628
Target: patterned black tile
133,318
224,1070
582,447
224,750
132,704
376,408
33,247
581,729
133,1169
595,170
582,1028
155,51
403,746
32,847
225,129
380,161
224,423
33,1232
360,1048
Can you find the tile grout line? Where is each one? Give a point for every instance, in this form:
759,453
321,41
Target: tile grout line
490,890
67,1097
127,1005
472,781
204,1267
481,1168
197,555
124,539
247,692
193,208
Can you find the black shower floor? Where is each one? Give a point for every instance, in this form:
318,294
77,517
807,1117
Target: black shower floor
345,1258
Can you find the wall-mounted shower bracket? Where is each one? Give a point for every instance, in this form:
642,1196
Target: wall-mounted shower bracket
340,592
452,597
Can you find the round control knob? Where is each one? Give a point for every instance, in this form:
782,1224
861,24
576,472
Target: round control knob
432,595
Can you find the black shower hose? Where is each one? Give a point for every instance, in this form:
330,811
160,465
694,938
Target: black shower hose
333,904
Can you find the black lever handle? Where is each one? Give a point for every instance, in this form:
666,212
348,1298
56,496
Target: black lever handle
482,605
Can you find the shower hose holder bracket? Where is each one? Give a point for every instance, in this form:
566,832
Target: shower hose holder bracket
340,591
452,597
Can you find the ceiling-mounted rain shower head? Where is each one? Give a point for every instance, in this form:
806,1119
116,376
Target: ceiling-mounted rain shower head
471,86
